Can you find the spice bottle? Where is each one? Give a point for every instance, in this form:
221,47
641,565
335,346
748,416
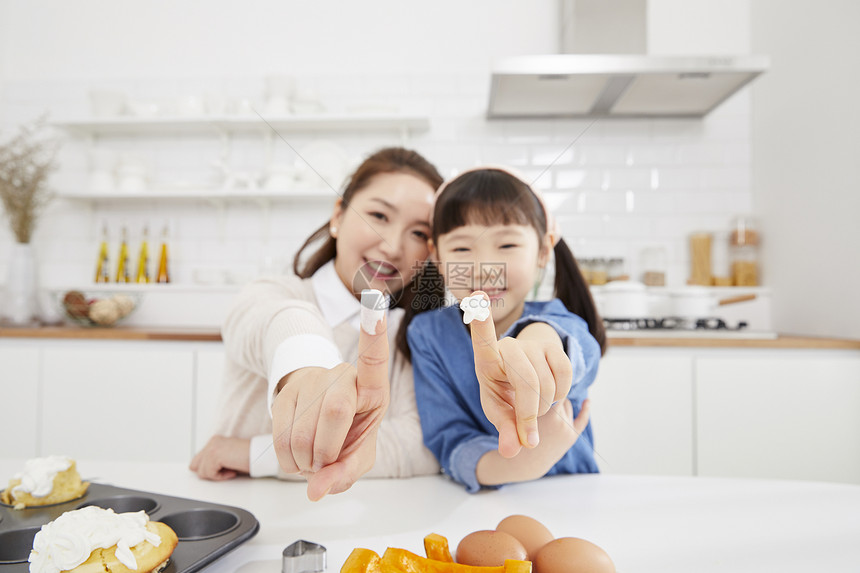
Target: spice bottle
615,270
122,271
721,261
163,275
654,263
103,264
744,245
599,271
585,268
142,275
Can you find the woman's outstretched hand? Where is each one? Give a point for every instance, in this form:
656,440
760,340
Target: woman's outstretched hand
520,380
325,421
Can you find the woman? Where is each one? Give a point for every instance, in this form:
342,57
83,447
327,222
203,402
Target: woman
291,343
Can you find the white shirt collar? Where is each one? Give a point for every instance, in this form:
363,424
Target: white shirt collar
336,302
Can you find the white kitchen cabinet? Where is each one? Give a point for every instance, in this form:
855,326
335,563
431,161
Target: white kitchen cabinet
732,412
117,400
19,388
207,391
792,414
641,404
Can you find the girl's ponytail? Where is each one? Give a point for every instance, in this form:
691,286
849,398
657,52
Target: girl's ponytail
425,292
573,291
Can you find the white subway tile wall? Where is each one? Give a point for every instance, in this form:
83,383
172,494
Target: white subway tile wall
616,186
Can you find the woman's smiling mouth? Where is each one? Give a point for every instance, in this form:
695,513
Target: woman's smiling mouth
381,270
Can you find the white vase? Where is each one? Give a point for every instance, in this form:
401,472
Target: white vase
20,303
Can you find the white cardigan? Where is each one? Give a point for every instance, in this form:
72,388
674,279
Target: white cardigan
280,324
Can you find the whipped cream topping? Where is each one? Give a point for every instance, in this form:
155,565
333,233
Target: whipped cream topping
475,308
37,479
68,541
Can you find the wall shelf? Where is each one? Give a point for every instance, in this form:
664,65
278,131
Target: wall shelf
93,129
144,288
128,125
316,194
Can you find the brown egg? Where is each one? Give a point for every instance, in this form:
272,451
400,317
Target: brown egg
530,532
489,549
572,555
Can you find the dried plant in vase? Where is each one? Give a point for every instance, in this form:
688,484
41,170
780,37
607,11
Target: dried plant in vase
26,161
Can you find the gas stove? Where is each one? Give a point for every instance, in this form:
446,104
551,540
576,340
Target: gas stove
678,327
670,323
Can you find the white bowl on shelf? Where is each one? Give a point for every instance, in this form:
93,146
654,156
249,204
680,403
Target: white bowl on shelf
107,103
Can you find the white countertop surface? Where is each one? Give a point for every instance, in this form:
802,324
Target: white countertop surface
659,524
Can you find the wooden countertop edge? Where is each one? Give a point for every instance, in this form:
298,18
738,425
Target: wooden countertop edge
118,333
787,342
214,335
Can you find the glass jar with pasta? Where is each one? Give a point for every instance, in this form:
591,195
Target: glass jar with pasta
744,242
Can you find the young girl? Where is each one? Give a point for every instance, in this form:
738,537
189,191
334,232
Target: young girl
482,388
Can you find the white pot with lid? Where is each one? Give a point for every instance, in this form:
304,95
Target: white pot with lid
625,300
695,302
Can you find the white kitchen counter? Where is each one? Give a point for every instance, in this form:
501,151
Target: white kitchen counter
660,524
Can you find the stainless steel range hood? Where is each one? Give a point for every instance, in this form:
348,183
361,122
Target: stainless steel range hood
603,70
589,85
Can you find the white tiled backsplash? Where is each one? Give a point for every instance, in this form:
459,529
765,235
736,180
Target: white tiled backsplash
616,186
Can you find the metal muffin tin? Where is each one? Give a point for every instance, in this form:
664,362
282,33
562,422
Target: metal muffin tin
206,531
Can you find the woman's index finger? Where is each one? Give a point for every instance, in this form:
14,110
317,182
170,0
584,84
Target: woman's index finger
373,352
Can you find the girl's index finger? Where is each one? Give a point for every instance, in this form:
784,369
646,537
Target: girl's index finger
489,367
476,313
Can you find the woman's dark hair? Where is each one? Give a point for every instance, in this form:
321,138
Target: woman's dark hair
387,160
496,197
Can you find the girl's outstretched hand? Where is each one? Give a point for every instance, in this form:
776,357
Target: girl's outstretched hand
325,421
519,380
559,431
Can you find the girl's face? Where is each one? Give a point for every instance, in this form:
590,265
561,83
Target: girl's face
502,260
382,234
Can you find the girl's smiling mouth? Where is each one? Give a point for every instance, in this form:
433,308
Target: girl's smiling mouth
495,293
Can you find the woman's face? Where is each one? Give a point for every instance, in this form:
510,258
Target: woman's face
382,234
502,260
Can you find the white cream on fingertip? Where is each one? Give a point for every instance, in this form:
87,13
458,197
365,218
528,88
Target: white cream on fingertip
475,308
373,307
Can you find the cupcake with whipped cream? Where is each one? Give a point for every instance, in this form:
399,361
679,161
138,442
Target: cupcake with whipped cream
44,481
97,540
